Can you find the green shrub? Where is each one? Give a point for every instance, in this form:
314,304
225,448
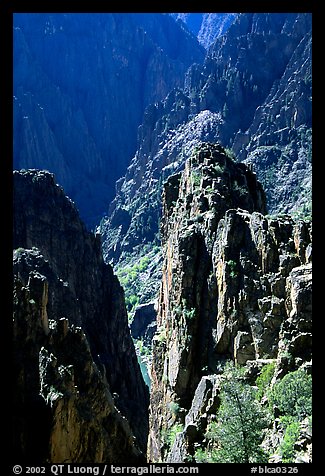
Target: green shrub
161,334
189,313
168,435
264,379
133,300
232,265
174,408
182,310
293,394
142,348
212,431
218,170
19,250
238,432
195,178
174,430
202,455
143,264
286,448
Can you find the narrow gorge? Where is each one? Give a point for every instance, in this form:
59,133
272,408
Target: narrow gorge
236,287
162,238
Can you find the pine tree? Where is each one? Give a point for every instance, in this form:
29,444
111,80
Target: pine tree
241,424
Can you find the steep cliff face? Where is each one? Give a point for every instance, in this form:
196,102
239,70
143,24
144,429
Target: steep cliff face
207,26
73,112
214,25
238,97
258,76
72,341
236,285
279,141
63,406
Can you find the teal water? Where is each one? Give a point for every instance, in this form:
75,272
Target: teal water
144,371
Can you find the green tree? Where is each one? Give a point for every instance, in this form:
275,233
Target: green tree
241,421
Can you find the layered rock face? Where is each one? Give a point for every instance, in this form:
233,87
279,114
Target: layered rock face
73,112
236,285
74,357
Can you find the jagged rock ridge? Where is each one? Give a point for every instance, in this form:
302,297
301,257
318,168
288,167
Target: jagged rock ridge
279,141
206,26
238,97
75,362
73,112
236,285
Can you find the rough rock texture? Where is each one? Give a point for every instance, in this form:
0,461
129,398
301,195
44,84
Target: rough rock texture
278,142
206,26
59,262
236,285
253,94
253,91
73,112
204,404
63,407
214,25
258,75
143,325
